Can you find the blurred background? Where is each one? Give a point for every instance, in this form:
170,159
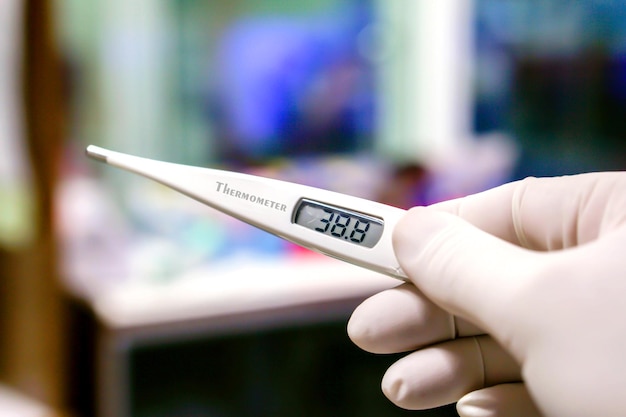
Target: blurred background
119,297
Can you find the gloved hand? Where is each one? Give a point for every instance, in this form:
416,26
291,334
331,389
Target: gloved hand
540,266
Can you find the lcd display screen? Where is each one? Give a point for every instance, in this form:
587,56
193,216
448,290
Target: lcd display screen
339,223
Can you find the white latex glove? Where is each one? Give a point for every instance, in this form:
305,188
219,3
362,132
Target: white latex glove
540,265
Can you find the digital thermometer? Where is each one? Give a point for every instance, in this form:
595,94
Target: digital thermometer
348,228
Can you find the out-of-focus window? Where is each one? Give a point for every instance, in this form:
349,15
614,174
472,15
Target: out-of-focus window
553,74
200,81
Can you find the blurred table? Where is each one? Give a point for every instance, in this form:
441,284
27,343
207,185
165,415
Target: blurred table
245,295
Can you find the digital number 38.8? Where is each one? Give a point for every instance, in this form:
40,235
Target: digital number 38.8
343,225
349,226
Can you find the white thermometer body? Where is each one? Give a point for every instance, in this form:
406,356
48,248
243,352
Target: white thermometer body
348,228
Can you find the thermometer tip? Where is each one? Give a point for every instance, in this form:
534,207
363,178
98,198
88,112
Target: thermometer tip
97,153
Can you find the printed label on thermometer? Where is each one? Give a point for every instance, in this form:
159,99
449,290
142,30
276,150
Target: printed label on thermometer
339,223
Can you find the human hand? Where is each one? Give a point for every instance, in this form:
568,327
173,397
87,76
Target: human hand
540,266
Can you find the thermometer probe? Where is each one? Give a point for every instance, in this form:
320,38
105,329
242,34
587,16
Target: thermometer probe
348,228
